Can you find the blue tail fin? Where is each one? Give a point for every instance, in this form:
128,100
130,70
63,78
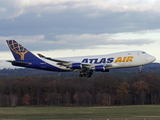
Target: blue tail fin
19,52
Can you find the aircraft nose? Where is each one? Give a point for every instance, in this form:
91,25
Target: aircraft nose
150,58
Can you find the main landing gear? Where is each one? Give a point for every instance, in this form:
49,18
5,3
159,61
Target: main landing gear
87,74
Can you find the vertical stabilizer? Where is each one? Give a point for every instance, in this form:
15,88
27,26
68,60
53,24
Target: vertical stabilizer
19,52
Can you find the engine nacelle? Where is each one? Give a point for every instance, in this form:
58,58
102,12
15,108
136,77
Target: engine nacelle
100,68
76,66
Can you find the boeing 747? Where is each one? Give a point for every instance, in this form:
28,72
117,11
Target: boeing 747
86,65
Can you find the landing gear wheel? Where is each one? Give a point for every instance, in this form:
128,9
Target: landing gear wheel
89,74
80,75
86,74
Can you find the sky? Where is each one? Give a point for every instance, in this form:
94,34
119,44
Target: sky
64,28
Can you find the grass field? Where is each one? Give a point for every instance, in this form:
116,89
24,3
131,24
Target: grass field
145,112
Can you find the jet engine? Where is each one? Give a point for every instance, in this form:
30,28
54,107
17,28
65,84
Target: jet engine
100,68
75,66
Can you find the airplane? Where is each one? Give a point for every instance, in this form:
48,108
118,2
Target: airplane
86,65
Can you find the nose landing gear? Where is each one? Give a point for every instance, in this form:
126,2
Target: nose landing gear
140,69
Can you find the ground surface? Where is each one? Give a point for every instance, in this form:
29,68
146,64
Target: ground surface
144,112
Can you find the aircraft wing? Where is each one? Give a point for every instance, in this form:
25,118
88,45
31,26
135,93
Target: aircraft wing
61,62
74,65
55,60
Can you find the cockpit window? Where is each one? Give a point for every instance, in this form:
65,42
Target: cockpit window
143,52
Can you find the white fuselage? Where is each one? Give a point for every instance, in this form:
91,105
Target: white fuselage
115,60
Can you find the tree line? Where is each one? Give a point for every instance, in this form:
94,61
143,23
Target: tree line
101,90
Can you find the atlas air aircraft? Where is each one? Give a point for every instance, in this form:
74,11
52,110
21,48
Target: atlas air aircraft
86,65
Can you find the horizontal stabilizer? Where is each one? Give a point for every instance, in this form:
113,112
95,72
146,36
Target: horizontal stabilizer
18,62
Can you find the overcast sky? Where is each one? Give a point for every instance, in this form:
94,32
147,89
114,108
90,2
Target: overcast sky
62,28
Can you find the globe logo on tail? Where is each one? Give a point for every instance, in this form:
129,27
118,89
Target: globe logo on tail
17,48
